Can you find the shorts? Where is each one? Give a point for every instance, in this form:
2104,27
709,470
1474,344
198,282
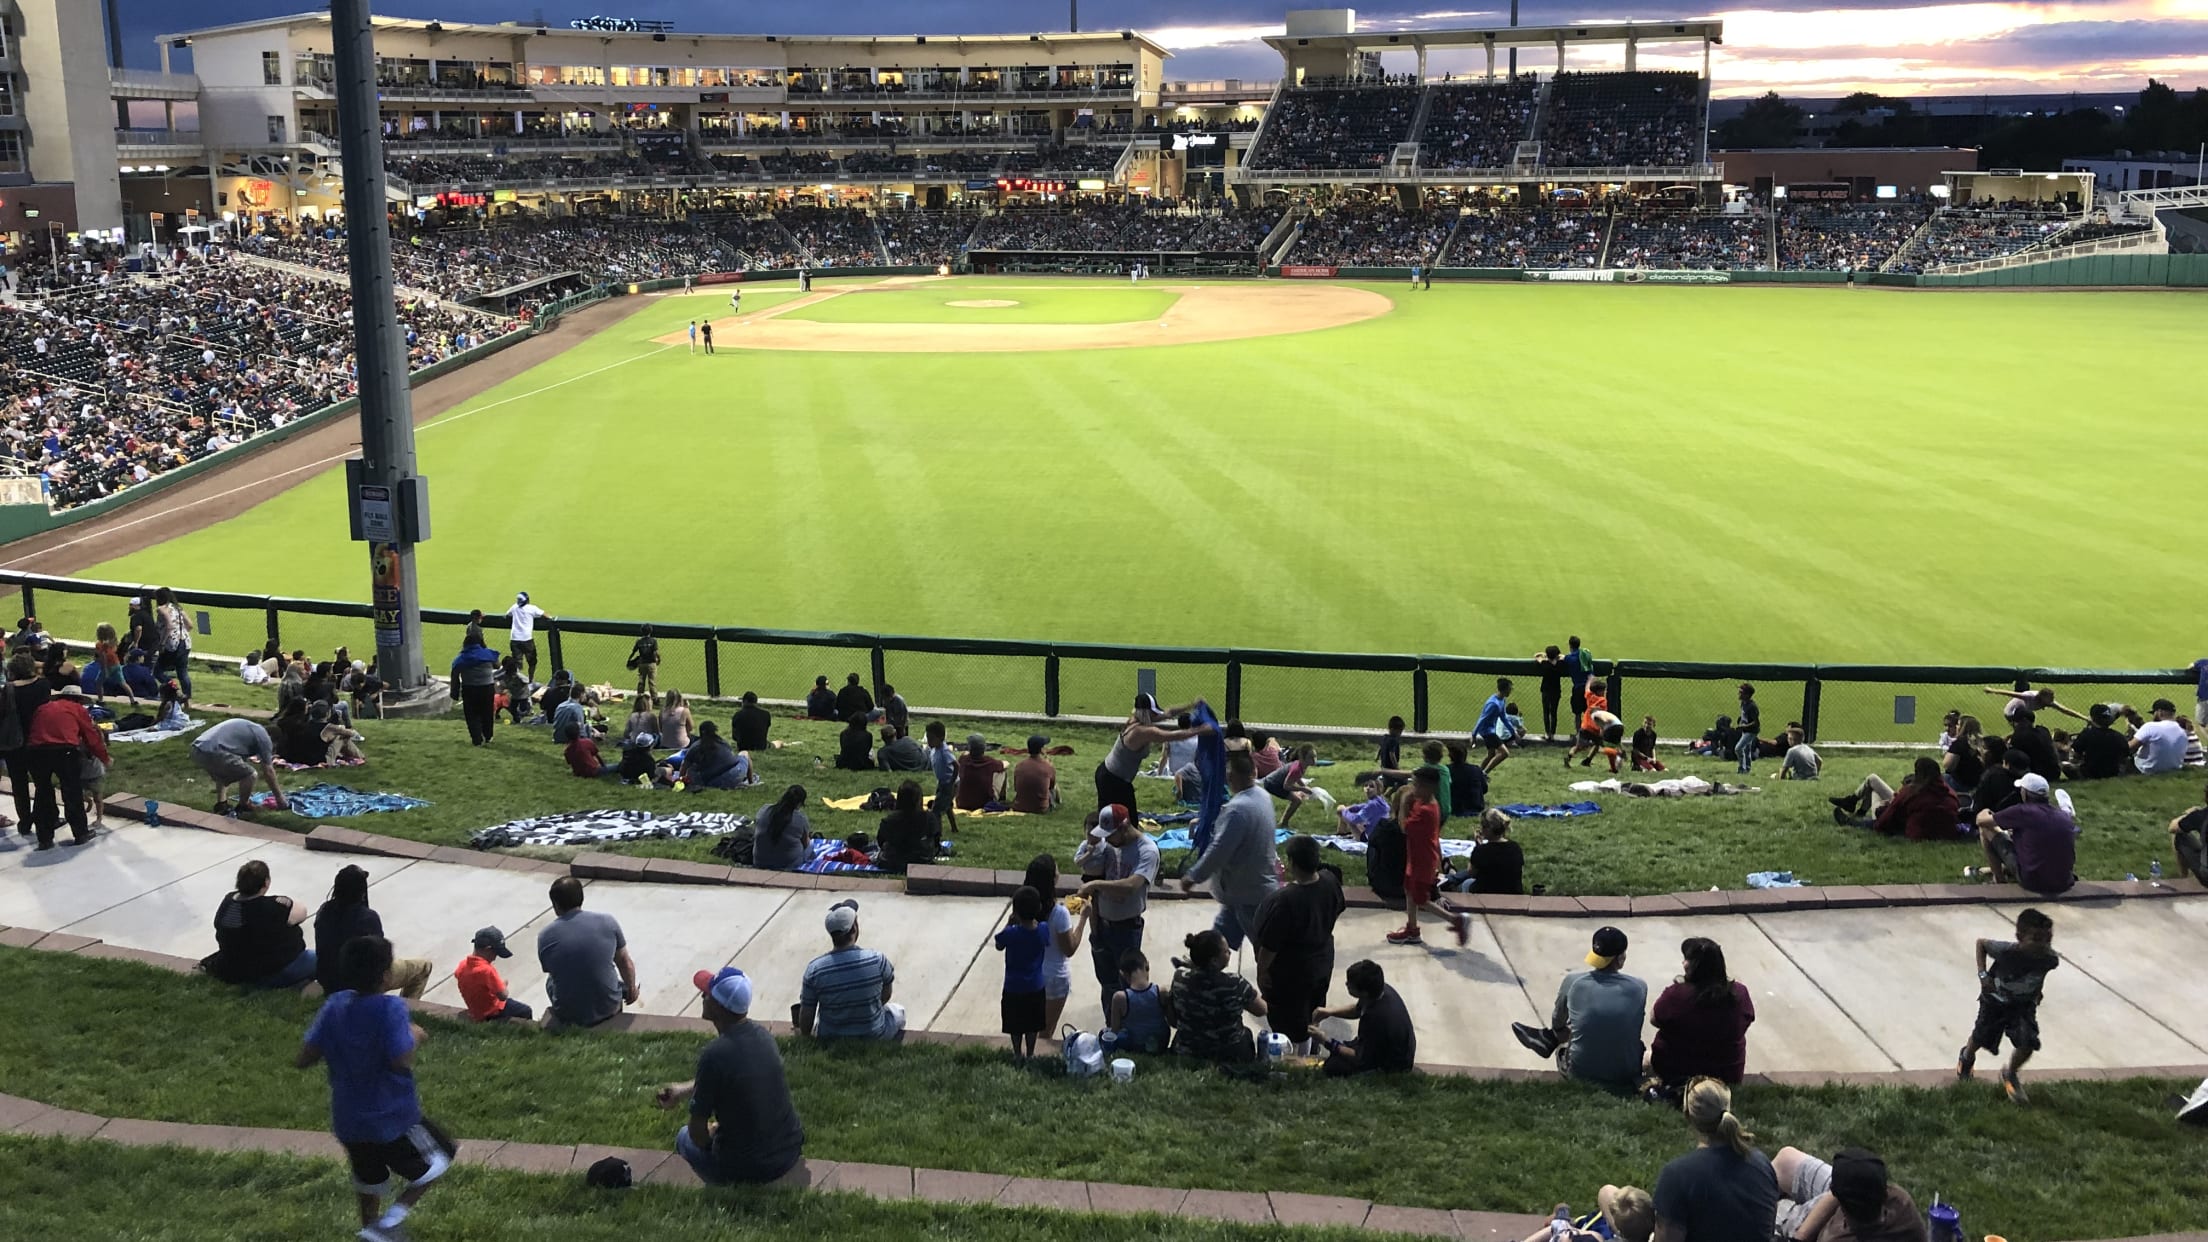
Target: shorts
1022,1013
419,1156
1614,734
1811,1180
1998,1018
2002,847
1493,744
526,647
221,766
1418,889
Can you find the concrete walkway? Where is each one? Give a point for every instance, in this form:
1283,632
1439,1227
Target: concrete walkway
1839,993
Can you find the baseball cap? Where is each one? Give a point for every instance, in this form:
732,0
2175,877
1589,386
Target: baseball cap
2164,705
521,597
137,600
1036,741
843,916
493,939
2032,785
1609,945
975,739
728,986
1859,1181
1110,818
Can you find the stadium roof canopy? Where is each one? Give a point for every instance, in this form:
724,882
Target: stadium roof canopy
1699,31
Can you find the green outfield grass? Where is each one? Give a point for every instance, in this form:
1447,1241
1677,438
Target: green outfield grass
1038,301
1712,474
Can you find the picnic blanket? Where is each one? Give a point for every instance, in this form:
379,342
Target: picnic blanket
1681,787
157,735
1773,879
1450,846
1560,810
1211,774
288,766
597,827
322,800
819,863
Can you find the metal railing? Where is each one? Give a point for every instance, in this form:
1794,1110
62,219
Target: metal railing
2151,238
153,80
1313,691
157,138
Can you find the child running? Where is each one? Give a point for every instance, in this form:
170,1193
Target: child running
364,1036
1592,723
1420,815
2011,977
1023,942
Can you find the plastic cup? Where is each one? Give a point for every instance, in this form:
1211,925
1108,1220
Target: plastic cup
1123,1070
1995,1237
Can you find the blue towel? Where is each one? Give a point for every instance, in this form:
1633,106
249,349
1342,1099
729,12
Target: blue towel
1183,839
1773,879
1562,810
819,864
1211,774
326,801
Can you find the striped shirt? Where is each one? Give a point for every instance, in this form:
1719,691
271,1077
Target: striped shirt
845,985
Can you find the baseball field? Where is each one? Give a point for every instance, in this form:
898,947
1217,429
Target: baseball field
1679,473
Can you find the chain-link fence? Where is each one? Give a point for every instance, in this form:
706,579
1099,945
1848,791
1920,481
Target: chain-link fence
1318,691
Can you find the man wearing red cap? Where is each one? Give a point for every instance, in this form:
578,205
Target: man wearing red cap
1119,864
743,1126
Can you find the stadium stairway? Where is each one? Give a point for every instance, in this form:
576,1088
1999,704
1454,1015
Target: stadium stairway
1846,992
1910,245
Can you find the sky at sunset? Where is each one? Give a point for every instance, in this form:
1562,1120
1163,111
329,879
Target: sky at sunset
1808,47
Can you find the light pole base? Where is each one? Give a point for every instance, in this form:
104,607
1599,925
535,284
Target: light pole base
420,703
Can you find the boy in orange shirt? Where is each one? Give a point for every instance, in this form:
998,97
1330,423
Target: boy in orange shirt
1592,726
481,988
1420,814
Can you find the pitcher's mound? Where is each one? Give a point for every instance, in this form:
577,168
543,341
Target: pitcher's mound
983,303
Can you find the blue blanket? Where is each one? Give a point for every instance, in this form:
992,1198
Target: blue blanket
1562,810
818,864
326,801
1211,773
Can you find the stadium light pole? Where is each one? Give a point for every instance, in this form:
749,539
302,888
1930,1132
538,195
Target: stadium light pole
388,505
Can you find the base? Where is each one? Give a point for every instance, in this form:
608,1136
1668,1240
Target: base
419,703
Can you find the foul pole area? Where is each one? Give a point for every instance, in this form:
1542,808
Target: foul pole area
388,503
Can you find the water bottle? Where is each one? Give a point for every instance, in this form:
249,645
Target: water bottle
818,764
1560,1225
2154,871
1946,1222
153,813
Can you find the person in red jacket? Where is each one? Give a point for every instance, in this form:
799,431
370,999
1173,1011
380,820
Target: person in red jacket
60,735
1923,809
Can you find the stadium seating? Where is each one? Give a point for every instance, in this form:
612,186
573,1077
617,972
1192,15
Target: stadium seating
1477,125
1377,234
1845,236
928,237
1610,120
1335,127
1540,240
137,377
1660,240
1126,227
1967,234
833,236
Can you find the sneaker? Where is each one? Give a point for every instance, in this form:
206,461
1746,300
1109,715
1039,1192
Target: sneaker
382,1233
1405,935
1538,1040
222,807
1966,1062
2014,1088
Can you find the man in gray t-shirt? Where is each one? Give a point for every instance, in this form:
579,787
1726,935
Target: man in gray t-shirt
586,961
1240,863
1118,865
1594,1030
230,752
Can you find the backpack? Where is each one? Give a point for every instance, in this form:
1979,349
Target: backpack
738,846
11,725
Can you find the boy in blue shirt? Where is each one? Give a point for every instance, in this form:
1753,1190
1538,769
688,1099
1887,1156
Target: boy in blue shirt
364,1036
1024,942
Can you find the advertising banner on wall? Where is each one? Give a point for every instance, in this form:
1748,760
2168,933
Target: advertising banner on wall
1307,271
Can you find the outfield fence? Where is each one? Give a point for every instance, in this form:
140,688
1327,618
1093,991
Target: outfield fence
1314,691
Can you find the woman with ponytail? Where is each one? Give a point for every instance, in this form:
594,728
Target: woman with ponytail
1722,1191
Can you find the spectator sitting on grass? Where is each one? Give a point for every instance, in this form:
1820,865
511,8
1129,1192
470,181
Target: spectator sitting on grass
1923,809
482,988
557,694
1208,1003
2098,752
845,992
1848,1200
980,775
1725,1188
298,740
820,701
138,675
587,969
571,719
2031,843
1467,783
643,722
582,758
1964,760
1035,780
1386,1042
1137,1011
514,684
743,1125
1701,1022
1801,762
750,724
347,916
366,1038
853,700
2159,745
855,746
909,834
2188,834
709,763
781,835
899,753
257,938
2029,736
1594,1031
2003,768
1626,1212
1497,863
340,741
